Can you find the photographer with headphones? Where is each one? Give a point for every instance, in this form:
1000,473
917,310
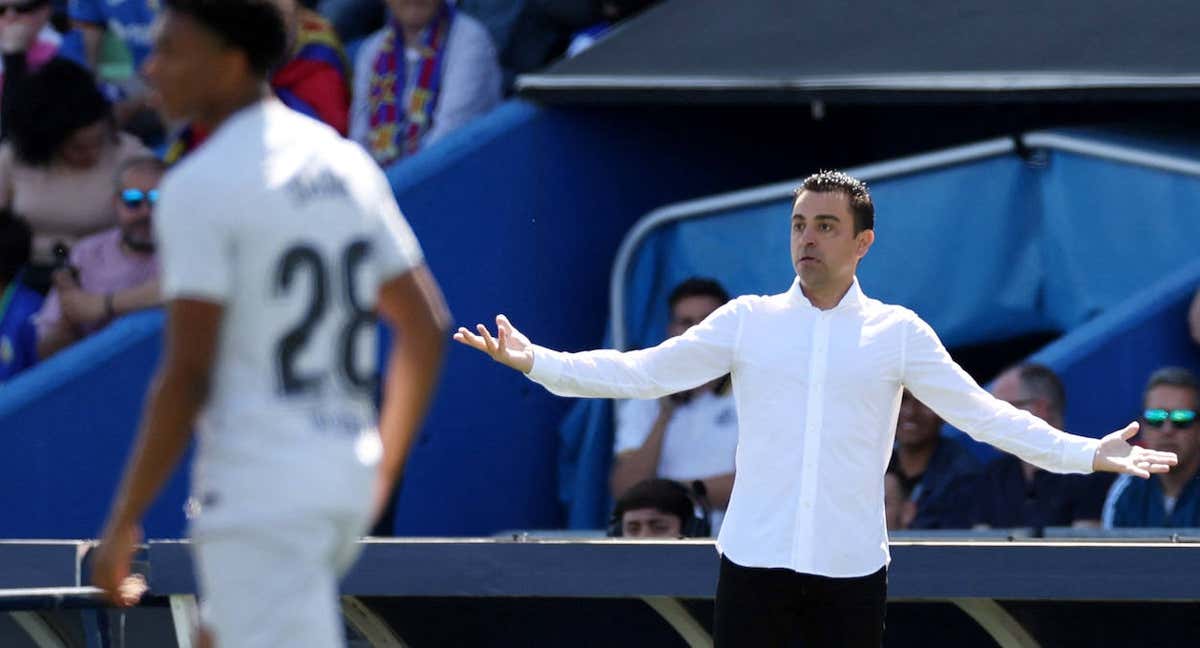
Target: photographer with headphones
686,436
660,508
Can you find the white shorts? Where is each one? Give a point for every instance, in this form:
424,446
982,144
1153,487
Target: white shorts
275,584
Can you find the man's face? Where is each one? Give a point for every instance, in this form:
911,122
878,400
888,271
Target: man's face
414,14
1182,439
1009,389
650,523
27,16
917,425
825,249
135,208
689,312
187,66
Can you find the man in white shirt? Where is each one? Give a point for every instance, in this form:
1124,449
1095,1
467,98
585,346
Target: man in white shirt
818,373
278,240
687,436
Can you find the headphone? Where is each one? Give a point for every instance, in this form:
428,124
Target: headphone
696,525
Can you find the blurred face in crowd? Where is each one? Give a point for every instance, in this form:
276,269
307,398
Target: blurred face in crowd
689,312
414,14
917,425
21,20
84,148
1180,438
136,195
189,67
650,523
825,249
1008,388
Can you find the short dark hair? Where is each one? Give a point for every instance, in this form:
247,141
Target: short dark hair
664,495
1040,381
139,162
697,287
854,189
256,27
58,99
16,240
1173,377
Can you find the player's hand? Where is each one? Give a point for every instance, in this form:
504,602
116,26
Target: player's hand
1116,454
510,347
110,566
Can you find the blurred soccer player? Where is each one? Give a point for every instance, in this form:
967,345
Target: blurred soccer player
279,240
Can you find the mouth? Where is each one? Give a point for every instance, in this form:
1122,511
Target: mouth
809,259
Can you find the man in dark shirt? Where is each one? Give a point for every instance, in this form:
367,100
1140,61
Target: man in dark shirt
1012,493
1170,402
937,471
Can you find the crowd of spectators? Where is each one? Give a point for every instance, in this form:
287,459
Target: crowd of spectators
82,147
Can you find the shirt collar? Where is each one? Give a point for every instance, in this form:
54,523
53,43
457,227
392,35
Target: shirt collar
852,300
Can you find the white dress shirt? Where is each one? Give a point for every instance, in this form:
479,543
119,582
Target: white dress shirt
818,393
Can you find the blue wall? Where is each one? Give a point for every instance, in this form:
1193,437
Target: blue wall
520,212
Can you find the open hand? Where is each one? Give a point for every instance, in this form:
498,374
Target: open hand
1115,454
510,347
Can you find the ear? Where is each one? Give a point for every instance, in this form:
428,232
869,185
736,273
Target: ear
864,239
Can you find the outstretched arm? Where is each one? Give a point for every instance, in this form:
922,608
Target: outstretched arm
703,353
935,379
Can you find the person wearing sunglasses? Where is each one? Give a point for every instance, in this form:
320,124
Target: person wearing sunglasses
111,273
1169,407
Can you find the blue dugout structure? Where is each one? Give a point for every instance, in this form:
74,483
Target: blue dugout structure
520,212
1088,233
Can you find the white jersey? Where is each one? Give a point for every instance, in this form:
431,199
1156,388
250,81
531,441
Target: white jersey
293,230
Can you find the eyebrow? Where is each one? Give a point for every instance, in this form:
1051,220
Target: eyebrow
818,217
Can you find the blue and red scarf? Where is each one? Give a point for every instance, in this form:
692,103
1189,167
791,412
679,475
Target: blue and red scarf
396,132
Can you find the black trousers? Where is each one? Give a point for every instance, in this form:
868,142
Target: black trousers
768,608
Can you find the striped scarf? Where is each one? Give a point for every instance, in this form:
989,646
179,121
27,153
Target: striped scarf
396,133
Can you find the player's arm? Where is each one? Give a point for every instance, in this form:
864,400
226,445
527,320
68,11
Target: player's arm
179,390
412,304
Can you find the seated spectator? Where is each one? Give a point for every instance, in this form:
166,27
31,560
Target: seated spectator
57,168
686,436
898,506
112,273
353,19
937,471
656,508
26,42
130,20
18,303
528,34
428,72
1015,494
1172,499
611,13
314,81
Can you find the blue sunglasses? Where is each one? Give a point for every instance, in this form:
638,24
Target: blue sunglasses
1180,418
133,198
